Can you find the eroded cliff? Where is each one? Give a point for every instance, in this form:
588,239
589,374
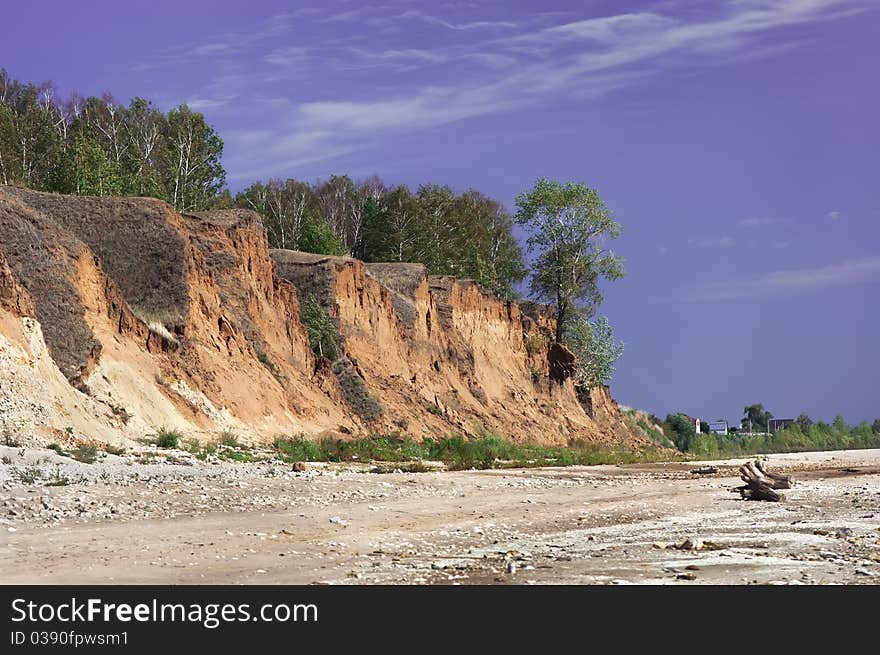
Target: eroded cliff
119,316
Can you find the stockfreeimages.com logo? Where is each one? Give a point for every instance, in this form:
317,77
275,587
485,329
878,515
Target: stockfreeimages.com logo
209,615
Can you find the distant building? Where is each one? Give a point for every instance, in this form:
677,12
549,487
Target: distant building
696,423
719,427
778,423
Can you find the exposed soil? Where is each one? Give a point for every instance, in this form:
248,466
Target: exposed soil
190,522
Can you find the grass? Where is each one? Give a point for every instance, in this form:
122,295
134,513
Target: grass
457,452
229,439
26,475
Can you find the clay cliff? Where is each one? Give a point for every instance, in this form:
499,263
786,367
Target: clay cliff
119,316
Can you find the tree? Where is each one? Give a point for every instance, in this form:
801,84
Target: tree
568,226
283,207
756,416
875,426
192,171
318,237
596,349
804,422
684,432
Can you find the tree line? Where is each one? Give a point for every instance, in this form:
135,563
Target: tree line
468,235
98,146
803,434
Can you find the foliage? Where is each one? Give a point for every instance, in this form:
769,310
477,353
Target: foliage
794,438
756,416
318,237
322,331
488,450
568,225
681,429
96,146
85,453
596,349
166,438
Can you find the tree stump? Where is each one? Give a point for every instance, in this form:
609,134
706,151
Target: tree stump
760,483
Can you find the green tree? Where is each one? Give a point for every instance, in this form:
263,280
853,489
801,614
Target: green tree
683,431
190,159
568,226
804,422
596,349
323,335
757,416
318,237
875,426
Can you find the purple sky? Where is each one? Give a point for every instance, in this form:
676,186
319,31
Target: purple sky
736,141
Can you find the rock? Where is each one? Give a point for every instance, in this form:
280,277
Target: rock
685,576
299,467
338,521
660,545
691,543
511,566
864,572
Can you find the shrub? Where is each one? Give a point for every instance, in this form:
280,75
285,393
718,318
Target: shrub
168,438
86,453
299,449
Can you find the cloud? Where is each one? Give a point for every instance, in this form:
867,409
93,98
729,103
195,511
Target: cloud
761,221
478,65
791,281
834,215
713,242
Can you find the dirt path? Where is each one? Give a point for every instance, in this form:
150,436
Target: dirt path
263,523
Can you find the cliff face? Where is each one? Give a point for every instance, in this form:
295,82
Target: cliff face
130,317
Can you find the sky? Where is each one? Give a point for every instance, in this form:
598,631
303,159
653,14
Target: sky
736,141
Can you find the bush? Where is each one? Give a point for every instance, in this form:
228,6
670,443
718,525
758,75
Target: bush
299,449
168,438
87,454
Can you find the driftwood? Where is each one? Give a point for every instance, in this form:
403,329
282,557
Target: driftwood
760,483
705,470
779,481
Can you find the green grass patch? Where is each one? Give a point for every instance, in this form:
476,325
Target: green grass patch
457,452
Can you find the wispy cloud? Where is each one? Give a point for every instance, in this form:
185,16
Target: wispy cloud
761,221
713,242
791,281
834,215
478,64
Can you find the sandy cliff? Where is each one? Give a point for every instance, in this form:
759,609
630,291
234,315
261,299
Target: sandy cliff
119,316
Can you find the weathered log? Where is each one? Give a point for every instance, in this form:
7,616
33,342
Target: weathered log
759,492
758,486
705,470
779,481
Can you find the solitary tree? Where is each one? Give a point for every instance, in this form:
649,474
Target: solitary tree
568,227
